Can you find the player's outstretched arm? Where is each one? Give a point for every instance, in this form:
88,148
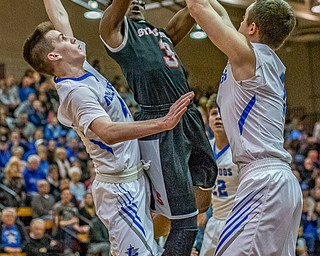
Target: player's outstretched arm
179,26
58,16
111,22
114,132
231,42
221,12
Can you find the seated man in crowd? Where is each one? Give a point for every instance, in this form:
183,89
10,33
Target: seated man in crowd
66,217
12,233
32,174
99,238
42,202
40,244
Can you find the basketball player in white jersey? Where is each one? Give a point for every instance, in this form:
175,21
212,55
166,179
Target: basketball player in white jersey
227,181
91,106
252,101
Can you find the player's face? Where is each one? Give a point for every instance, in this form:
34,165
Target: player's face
136,10
66,46
244,24
215,122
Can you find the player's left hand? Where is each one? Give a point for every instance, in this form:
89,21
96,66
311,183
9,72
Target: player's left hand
177,110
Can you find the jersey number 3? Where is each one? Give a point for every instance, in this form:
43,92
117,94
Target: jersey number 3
170,59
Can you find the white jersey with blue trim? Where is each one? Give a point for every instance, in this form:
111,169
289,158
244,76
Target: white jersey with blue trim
227,182
86,98
253,110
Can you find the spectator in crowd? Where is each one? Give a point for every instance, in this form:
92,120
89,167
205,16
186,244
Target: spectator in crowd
38,138
53,180
99,238
25,88
66,216
12,232
4,127
308,172
88,210
5,153
76,187
313,154
9,95
308,203
16,140
83,158
53,130
62,162
72,149
32,174
19,152
13,191
21,123
25,106
35,77
42,152
42,202
310,234
91,170
301,247
52,145
65,184
316,132
37,115
45,103
39,243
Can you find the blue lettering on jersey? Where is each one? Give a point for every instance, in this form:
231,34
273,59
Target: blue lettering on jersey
131,251
124,107
223,76
109,93
102,146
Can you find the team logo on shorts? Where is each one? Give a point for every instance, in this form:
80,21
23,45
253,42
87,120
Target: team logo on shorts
131,251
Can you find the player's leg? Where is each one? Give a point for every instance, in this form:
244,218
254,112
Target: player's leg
202,166
161,225
172,189
182,232
211,236
124,210
267,202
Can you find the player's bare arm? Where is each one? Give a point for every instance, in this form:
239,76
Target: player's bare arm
114,132
221,12
235,45
58,16
180,25
111,22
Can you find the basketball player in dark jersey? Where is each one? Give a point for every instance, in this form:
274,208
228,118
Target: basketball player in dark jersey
182,163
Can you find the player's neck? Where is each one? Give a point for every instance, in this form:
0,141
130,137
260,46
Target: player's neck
221,141
70,72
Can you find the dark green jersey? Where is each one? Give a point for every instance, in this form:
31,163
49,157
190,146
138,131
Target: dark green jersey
150,64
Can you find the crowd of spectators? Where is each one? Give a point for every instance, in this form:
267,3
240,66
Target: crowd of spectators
44,166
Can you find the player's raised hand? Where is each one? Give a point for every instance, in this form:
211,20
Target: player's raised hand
177,110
